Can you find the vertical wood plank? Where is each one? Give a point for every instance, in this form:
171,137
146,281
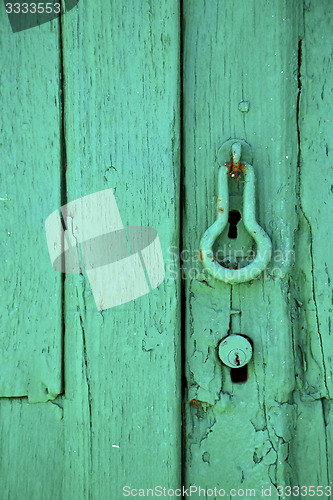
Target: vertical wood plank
314,264
312,286
238,435
31,436
122,407
30,296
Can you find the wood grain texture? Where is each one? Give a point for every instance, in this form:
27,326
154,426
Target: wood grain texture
238,435
122,408
312,311
32,439
30,346
316,202
119,421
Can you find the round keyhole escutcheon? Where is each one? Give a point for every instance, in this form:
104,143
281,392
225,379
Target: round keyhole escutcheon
235,351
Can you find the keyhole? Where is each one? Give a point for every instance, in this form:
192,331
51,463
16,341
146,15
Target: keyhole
234,218
239,375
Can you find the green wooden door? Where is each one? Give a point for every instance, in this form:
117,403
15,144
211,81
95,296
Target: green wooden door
138,97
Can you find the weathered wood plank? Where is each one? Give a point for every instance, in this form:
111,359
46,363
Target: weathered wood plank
31,437
314,265
311,446
122,408
238,434
30,296
312,288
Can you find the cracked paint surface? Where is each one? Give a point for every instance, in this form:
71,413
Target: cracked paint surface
272,429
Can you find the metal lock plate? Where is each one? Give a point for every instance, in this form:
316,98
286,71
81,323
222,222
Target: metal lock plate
235,351
252,269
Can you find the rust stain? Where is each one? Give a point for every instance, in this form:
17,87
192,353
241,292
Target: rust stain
236,170
196,402
199,405
200,253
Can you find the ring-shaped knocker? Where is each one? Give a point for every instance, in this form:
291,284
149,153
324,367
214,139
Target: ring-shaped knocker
262,240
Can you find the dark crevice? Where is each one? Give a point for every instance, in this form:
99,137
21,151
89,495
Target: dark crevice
323,405
230,315
13,397
299,160
85,357
299,85
63,189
